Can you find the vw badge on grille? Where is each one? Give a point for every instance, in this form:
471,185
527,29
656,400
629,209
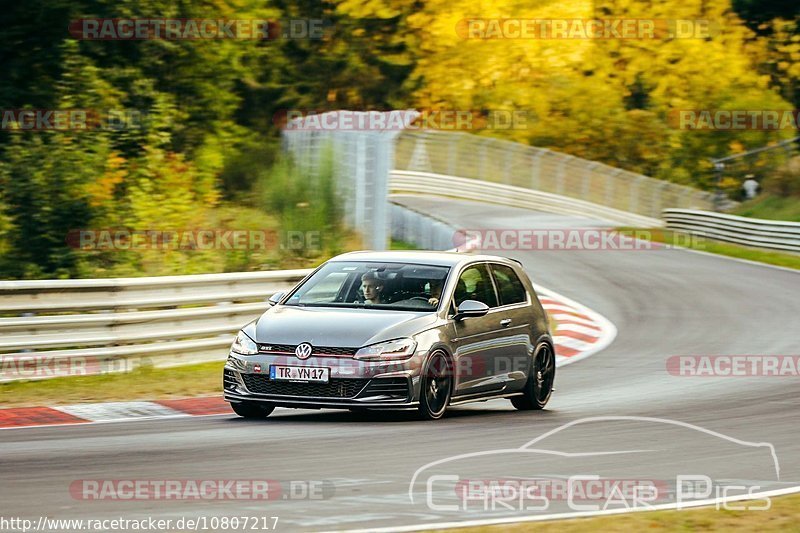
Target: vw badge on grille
303,351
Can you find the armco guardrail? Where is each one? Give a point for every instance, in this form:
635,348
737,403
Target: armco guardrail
99,325
774,234
364,159
50,328
404,181
501,162
423,230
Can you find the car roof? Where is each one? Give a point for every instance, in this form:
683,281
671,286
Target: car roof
421,257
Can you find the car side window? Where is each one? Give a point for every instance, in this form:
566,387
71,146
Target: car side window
475,283
511,289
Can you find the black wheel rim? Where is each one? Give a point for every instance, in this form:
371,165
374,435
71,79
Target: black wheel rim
437,385
544,372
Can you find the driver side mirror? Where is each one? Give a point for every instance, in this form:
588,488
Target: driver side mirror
470,308
275,298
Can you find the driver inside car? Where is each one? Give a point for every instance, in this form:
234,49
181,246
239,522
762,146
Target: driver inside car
372,287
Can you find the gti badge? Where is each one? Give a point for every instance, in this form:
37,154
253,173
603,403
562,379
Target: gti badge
303,351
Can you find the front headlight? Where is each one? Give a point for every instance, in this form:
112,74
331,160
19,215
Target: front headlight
244,345
383,351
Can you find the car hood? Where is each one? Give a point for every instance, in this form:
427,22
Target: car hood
337,327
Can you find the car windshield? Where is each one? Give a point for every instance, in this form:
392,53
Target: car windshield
373,285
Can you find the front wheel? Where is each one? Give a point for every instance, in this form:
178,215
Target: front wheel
252,409
539,386
435,388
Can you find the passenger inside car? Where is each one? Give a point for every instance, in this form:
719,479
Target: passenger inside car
436,286
461,293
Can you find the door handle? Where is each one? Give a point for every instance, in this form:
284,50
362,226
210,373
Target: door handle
505,322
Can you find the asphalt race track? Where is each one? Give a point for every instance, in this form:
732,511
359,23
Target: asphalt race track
664,303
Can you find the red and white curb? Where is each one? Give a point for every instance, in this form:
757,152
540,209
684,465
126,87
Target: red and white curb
88,413
580,333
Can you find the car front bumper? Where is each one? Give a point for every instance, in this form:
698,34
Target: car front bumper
352,383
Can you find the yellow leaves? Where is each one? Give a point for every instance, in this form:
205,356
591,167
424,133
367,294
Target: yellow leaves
165,193
729,184
382,9
736,147
102,190
603,99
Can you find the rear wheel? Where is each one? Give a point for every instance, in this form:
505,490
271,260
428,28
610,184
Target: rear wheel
252,409
435,387
539,386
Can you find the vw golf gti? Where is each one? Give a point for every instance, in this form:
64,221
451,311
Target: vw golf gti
396,330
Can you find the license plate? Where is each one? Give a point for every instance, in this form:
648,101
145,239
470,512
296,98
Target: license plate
299,373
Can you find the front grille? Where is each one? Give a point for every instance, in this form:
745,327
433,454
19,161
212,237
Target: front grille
394,387
318,350
336,388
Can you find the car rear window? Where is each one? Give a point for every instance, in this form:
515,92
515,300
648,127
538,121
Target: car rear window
511,289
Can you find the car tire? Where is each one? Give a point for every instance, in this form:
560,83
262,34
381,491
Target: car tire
435,387
252,409
539,386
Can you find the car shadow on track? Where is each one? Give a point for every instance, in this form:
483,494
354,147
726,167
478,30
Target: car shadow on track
388,416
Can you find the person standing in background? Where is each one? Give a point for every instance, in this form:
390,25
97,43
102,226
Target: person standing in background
750,187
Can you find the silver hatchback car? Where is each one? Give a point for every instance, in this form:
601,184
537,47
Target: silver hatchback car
396,330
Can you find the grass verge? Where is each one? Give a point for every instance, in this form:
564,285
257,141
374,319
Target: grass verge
396,244
770,207
144,383
694,242
783,516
